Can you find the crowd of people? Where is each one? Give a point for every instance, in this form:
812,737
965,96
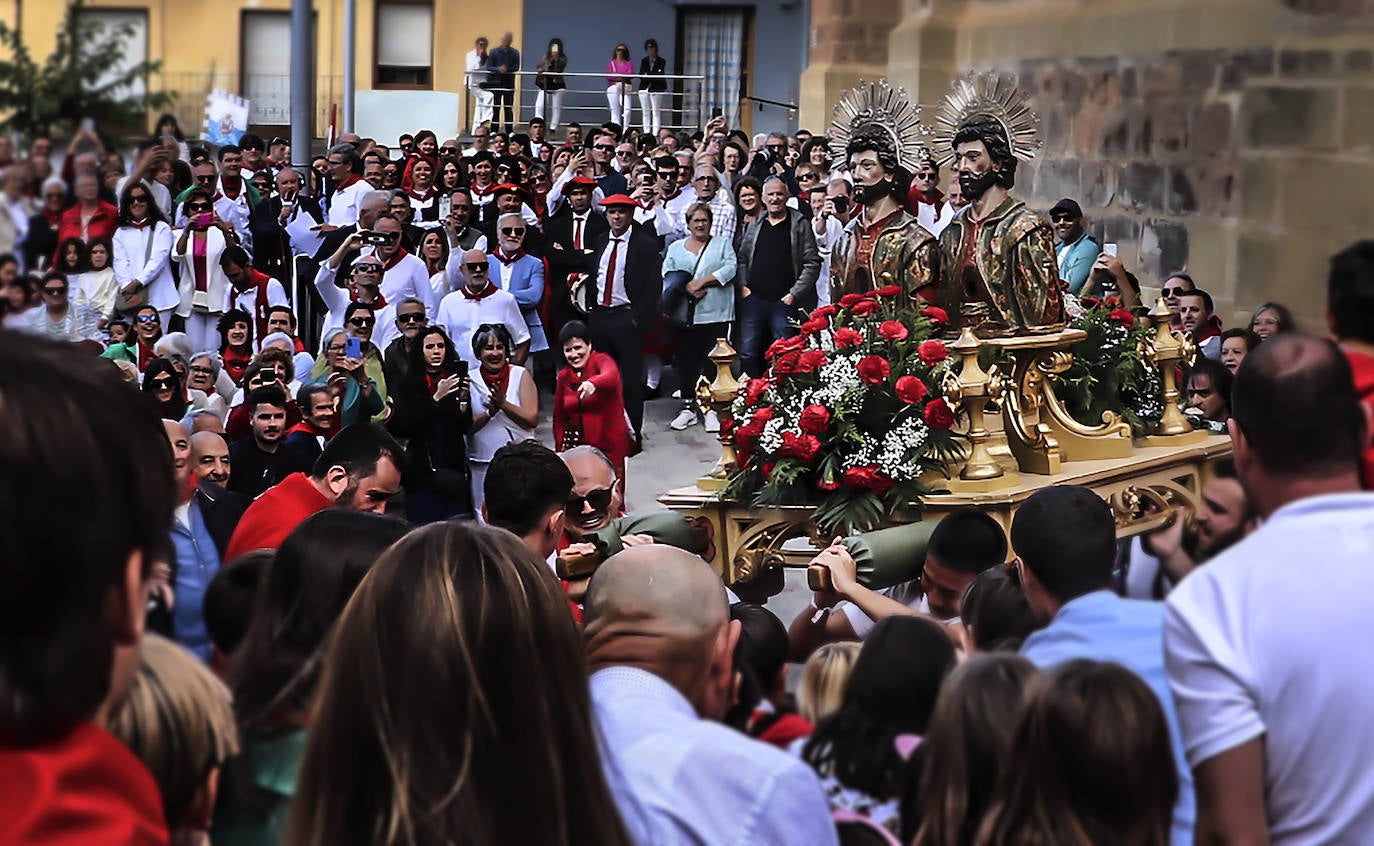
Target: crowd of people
314,594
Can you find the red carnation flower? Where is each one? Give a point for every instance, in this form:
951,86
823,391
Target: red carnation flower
874,369
893,330
846,337
1124,317
814,325
938,415
828,485
911,390
804,447
745,437
868,479
824,311
768,469
811,361
787,362
754,391
815,419
761,416
932,353
935,314
889,291
1090,302
850,300
864,308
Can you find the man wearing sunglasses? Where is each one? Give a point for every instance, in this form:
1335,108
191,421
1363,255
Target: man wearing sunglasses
59,319
1077,249
403,273
924,198
510,199
522,275
476,302
608,179
364,287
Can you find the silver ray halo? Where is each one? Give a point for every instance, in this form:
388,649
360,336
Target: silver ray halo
883,105
996,95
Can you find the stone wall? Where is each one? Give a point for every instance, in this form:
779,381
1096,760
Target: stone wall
1230,138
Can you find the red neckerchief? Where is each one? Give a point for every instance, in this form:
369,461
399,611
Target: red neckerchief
53,218
432,382
482,294
395,257
353,179
305,427
145,355
479,191
224,189
377,305
501,257
431,193
499,382
138,224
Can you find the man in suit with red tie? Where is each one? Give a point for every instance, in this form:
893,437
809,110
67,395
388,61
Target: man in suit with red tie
573,233
624,302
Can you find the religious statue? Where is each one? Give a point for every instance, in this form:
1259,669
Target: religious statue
877,135
999,273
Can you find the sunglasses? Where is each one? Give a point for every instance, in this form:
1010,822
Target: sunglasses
807,177
163,384
362,321
56,292
510,230
138,198
926,175
476,267
626,153
1175,292
1061,218
602,147
413,317
207,178
775,147
198,207
147,318
599,500
667,174
368,268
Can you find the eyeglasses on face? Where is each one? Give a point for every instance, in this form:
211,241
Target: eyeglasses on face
599,500
602,147
511,230
367,268
202,370
138,198
927,175
147,318
411,317
1175,291
1061,218
163,384
55,290
476,267
198,208
361,322
335,348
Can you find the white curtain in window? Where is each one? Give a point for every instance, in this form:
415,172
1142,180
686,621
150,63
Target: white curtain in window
713,48
405,35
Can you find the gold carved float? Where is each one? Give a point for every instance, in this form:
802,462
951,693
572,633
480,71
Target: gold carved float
1020,439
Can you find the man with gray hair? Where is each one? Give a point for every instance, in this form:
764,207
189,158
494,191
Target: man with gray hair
778,267
346,174
660,647
521,274
706,181
273,246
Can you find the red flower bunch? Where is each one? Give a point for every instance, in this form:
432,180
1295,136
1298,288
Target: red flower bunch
783,345
1090,302
889,291
867,478
824,311
910,390
893,330
932,353
815,419
753,392
761,416
851,300
935,314
814,325
1124,317
864,308
811,361
787,362
873,369
938,415
846,337
804,447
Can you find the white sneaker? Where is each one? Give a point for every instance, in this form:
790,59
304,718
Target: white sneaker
712,421
686,417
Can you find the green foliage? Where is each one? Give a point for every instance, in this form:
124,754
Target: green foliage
80,79
1109,371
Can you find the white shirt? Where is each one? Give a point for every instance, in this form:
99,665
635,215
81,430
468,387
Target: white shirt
132,258
907,593
236,211
161,195
248,300
1274,638
500,429
834,230
617,283
679,779
336,299
343,204
460,315
935,224
408,277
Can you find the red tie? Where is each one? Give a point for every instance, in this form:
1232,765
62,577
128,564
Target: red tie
577,234
610,274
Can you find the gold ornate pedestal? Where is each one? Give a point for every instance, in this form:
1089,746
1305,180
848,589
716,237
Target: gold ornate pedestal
1143,490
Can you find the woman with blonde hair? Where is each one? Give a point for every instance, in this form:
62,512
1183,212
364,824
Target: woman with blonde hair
823,678
178,721
455,706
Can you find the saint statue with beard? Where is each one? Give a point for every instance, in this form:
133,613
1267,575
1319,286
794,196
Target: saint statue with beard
999,272
883,244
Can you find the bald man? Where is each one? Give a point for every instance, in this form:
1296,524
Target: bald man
210,457
477,300
660,645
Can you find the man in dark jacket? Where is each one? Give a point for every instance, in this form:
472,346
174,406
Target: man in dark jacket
778,267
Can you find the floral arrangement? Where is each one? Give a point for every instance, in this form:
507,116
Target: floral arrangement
850,413
1109,370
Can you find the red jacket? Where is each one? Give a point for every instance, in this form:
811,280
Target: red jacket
275,514
87,788
601,416
1362,366
102,225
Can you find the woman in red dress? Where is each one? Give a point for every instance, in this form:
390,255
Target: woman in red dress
588,403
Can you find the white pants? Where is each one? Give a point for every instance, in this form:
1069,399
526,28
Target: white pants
200,328
481,110
618,96
651,105
479,484
557,98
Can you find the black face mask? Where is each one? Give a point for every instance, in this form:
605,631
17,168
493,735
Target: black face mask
973,185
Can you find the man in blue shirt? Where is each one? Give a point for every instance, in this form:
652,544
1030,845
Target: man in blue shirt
660,645
1077,248
1065,543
